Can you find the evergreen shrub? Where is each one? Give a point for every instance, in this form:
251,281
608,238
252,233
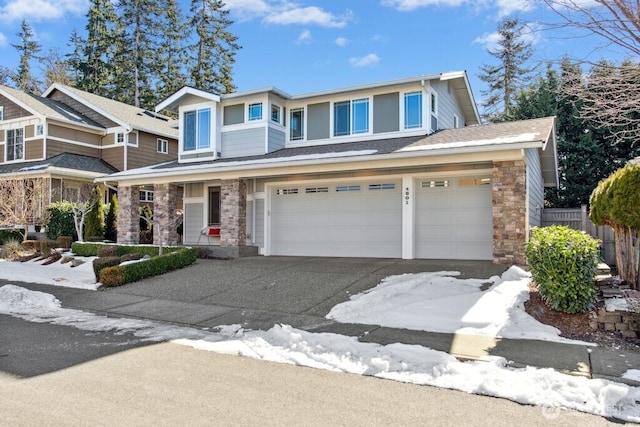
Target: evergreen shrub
564,263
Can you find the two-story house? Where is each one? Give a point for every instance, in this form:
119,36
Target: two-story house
399,169
69,137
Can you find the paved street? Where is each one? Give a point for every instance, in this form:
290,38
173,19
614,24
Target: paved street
169,384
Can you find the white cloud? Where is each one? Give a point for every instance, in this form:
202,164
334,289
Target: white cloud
364,61
507,7
409,5
311,15
341,41
41,10
3,40
488,40
245,10
304,37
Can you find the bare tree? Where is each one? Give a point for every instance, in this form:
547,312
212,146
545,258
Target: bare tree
610,92
162,226
83,201
56,68
23,202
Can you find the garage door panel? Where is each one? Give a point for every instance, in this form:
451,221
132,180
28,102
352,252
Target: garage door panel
362,222
454,222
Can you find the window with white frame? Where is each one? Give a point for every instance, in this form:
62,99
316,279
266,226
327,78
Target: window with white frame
296,124
39,130
351,117
255,111
120,138
413,110
197,130
275,113
162,146
1,112
146,196
132,139
434,110
15,144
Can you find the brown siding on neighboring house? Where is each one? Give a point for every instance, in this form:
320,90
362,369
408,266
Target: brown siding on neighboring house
1,152
146,153
56,147
82,109
33,150
29,131
56,131
11,110
114,156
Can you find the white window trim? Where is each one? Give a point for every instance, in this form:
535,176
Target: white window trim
351,134
38,127
433,95
304,124
162,146
132,139
213,138
280,114
116,138
402,111
251,104
1,112
6,145
146,196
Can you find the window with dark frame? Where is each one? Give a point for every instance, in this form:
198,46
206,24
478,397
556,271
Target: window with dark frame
214,206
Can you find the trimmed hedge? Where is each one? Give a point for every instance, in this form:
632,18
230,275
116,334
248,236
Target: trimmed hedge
103,262
564,263
122,274
91,249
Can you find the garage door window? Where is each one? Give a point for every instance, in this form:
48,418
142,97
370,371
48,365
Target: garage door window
434,184
312,190
346,188
382,186
467,182
284,191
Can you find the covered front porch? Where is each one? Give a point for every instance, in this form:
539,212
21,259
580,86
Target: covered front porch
217,206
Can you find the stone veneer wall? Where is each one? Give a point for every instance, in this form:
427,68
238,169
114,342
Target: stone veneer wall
624,322
165,212
128,216
509,212
233,194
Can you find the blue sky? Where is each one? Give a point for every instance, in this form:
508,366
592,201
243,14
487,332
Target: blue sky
303,46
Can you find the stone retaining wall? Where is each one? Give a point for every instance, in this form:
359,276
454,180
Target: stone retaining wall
624,322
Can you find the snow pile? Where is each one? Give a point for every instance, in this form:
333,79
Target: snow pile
57,273
400,362
439,302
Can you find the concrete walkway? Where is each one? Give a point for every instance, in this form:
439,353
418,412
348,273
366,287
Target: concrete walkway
258,292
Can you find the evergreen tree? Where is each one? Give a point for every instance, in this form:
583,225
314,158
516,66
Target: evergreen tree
215,48
503,79
94,225
172,56
96,66
76,57
110,221
28,48
138,58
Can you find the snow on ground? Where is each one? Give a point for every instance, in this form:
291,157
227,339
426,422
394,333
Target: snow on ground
439,302
57,274
400,362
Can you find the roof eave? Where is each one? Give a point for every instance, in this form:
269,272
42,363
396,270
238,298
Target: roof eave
172,102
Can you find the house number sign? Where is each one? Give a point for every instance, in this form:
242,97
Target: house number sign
406,196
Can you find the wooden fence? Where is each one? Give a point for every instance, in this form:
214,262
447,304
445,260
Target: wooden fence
578,219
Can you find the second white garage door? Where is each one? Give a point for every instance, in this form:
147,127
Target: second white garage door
346,219
454,218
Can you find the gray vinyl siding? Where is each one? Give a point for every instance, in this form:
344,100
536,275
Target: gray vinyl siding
233,114
318,122
245,142
386,113
535,187
276,140
447,105
193,221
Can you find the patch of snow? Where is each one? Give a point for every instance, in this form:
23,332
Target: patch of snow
438,302
33,168
632,374
616,304
407,363
57,273
525,137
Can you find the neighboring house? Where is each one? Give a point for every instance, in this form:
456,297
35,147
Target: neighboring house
71,137
398,169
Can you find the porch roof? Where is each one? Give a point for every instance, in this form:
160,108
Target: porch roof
64,161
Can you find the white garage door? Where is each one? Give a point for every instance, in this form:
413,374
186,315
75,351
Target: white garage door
347,219
454,218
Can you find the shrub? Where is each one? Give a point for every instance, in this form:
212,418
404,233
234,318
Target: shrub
130,257
94,222
110,221
61,220
564,263
31,245
121,274
10,235
107,251
65,241
101,263
91,249
11,249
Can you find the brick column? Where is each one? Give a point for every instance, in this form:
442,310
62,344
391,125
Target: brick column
165,214
128,215
233,221
509,212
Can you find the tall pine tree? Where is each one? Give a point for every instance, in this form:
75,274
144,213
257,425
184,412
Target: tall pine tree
512,52
172,56
28,48
213,53
96,68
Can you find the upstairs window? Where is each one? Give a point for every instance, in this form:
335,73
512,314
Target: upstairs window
275,113
119,138
413,110
197,129
15,144
162,146
351,117
1,112
255,111
296,124
39,130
